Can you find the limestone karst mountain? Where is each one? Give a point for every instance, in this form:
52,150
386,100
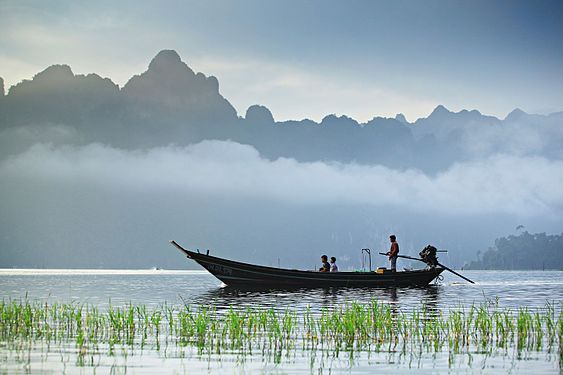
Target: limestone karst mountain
171,104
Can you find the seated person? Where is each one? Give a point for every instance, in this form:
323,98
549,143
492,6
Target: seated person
333,266
325,267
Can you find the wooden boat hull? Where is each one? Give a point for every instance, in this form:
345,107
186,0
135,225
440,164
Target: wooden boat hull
234,273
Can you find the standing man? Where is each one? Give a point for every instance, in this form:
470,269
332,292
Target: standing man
393,252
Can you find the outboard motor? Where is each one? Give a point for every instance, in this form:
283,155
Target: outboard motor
428,255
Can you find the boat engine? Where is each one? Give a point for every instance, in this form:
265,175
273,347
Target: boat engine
428,255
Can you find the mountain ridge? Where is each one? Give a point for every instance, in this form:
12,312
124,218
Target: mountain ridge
169,103
166,60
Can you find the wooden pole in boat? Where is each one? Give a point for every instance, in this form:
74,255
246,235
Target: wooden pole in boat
439,264
455,273
368,251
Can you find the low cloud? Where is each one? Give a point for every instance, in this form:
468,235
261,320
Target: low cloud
503,184
524,137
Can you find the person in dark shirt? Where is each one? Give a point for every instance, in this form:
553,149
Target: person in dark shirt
325,267
393,252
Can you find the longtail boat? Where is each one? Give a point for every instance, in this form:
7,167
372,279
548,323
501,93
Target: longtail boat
234,273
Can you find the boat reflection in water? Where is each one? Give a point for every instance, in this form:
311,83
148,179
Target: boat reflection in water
281,299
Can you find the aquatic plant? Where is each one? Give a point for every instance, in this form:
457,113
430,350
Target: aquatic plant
366,327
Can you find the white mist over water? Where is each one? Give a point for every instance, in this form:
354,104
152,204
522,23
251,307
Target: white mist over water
496,184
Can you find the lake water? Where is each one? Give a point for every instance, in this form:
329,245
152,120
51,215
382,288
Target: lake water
154,288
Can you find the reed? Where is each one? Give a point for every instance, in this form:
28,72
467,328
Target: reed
354,327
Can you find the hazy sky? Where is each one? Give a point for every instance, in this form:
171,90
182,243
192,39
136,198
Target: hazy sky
310,58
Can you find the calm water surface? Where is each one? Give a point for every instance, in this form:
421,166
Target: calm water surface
154,287
508,289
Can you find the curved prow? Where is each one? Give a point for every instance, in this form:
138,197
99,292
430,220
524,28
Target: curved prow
186,252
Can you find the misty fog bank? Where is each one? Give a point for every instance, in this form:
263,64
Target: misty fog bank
99,206
496,184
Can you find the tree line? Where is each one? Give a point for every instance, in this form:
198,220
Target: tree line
526,251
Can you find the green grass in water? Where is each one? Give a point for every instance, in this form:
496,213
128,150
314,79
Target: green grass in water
370,327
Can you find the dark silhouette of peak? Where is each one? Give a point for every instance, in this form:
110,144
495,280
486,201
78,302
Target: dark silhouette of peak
167,65
298,123
447,125
169,80
519,115
2,92
473,112
211,81
61,80
440,111
164,58
55,78
378,120
259,114
166,74
388,127
94,79
442,114
57,96
401,118
55,73
169,90
168,96
473,115
516,114
333,120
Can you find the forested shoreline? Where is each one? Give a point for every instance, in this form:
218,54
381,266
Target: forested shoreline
527,251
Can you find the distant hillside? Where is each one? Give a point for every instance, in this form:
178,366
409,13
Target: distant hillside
524,252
